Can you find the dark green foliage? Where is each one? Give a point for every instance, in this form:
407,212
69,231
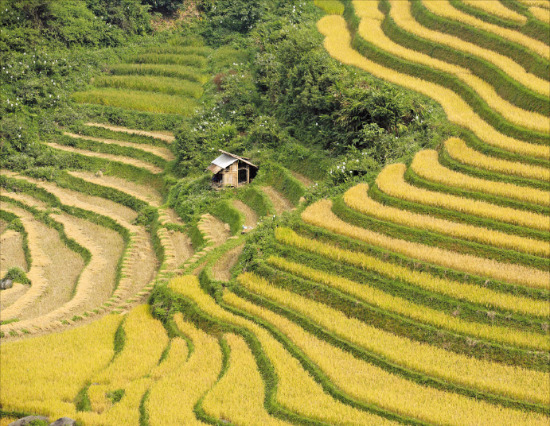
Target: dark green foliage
256,199
229,16
283,181
82,400
17,275
120,339
143,414
116,395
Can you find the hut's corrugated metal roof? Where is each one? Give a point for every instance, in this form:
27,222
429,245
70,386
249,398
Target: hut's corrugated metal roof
224,160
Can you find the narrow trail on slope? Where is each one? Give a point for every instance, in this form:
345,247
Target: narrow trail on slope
250,216
161,152
162,135
118,158
222,269
280,203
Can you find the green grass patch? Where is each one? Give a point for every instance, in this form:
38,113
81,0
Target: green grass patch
331,7
166,58
140,101
157,84
161,70
225,211
256,199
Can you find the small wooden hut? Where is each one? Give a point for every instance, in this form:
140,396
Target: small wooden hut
231,170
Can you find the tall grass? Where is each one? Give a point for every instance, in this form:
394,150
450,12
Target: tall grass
164,70
167,85
136,100
175,49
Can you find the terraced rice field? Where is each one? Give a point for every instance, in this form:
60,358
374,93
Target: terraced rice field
421,297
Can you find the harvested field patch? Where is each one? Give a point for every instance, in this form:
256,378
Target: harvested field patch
110,157
161,152
162,135
214,229
250,216
11,251
280,203
9,297
222,269
141,192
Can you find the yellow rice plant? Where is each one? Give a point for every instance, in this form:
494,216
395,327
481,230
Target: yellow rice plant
296,389
145,340
391,180
392,392
127,410
443,8
426,165
541,13
141,101
370,29
173,396
239,395
537,3
337,43
320,214
498,9
358,199
401,14
455,289
461,152
482,375
332,7
44,374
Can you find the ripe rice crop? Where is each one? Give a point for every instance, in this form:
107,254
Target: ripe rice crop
462,291
332,7
172,399
296,389
320,214
461,369
239,395
498,9
373,385
461,152
164,70
337,43
145,341
541,13
358,199
538,3
141,101
166,58
168,85
391,181
401,14
444,8
370,29
44,374
426,165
